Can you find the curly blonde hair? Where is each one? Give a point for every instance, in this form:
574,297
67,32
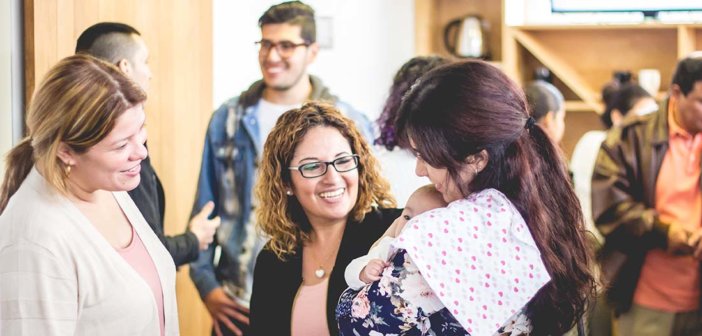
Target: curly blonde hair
281,217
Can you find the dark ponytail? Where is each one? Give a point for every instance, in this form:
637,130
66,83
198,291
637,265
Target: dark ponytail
20,161
551,209
463,108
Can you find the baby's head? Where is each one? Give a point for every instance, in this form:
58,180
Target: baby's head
423,199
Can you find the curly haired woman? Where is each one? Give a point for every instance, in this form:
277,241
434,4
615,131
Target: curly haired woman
322,202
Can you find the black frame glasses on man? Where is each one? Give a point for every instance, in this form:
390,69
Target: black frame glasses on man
284,48
319,168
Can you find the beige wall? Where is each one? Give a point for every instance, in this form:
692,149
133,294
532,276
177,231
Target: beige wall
179,36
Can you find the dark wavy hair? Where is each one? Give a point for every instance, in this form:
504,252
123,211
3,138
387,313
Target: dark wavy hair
687,72
281,217
622,99
403,80
463,108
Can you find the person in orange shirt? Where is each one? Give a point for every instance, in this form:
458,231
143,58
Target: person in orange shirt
647,203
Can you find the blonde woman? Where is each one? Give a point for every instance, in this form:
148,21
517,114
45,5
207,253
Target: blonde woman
323,203
76,255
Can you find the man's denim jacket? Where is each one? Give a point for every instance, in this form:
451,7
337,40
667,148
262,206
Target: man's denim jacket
227,177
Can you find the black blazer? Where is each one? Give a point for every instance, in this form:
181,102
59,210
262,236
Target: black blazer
149,198
276,282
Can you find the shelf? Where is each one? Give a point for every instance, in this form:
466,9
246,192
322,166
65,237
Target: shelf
559,66
584,57
580,106
607,26
581,57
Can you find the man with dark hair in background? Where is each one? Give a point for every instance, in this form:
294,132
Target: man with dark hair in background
122,45
223,274
647,203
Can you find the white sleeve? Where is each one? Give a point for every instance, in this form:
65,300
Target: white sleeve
353,270
38,294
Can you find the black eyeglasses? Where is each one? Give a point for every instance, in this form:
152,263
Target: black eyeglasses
284,48
319,168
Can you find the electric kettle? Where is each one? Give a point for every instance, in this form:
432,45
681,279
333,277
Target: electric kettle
467,37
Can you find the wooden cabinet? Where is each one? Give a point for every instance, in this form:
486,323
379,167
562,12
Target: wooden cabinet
581,57
584,57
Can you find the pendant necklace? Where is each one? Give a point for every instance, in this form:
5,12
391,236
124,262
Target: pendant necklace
320,273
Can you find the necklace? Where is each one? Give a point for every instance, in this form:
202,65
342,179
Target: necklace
320,272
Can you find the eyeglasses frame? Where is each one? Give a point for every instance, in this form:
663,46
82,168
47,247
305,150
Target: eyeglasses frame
265,51
356,158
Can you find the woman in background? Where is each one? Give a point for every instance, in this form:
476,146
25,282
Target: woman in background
76,255
394,156
323,203
547,108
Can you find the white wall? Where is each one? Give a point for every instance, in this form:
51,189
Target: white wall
7,38
371,40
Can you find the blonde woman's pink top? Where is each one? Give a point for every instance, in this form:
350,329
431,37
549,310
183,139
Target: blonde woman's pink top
138,257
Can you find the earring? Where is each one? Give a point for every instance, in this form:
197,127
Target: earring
68,169
476,171
289,192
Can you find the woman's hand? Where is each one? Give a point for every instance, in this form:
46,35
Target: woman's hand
373,270
222,309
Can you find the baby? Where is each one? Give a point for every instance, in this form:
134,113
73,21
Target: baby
368,268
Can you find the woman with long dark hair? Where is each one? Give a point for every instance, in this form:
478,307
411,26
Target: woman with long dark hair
508,255
393,155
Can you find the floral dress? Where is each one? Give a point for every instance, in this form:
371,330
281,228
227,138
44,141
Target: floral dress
413,310
413,294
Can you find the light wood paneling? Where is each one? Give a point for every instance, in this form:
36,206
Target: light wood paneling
179,36
424,13
686,40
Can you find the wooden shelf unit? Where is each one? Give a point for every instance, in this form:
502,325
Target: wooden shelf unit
584,57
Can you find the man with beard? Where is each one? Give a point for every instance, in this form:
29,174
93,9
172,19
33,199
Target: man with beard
223,274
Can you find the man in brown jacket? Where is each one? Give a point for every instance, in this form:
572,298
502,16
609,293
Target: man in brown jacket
647,202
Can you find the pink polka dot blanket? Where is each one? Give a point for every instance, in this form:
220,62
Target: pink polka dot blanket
479,258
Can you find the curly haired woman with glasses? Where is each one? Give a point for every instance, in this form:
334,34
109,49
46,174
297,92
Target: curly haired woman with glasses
322,203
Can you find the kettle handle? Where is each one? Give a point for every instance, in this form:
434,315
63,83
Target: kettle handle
449,35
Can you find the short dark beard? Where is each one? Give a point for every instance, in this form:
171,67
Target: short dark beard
283,88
